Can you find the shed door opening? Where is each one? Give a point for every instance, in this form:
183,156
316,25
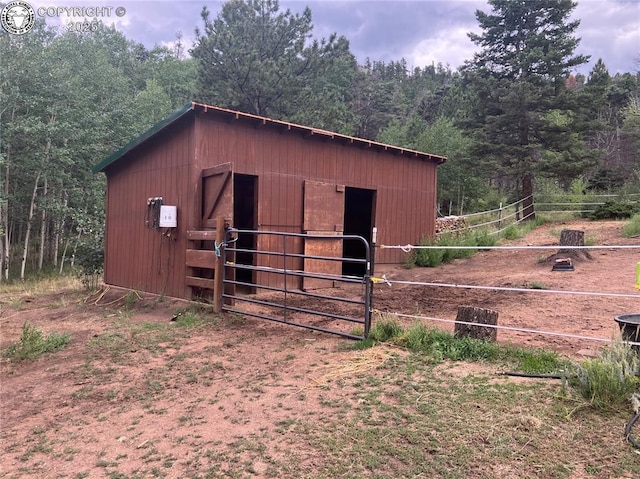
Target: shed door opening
358,220
245,217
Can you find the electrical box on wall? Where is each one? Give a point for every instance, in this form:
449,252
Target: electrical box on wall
168,216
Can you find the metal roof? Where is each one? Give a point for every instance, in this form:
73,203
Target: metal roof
283,125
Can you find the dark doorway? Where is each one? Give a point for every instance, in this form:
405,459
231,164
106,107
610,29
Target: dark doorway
358,220
245,217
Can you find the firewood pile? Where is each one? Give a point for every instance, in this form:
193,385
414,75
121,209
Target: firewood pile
450,224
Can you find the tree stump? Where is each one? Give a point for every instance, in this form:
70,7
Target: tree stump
471,314
571,238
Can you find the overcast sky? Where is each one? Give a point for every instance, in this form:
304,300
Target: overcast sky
421,31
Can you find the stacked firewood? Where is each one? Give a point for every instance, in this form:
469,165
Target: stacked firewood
450,224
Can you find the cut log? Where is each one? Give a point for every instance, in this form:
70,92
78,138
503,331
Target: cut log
570,238
471,314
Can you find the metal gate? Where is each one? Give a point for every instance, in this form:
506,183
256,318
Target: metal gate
298,279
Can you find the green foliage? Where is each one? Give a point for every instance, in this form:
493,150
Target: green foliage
434,256
456,188
90,250
511,232
537,361
609,380
189,318
426,256
255,58
614,210
33,343
632,227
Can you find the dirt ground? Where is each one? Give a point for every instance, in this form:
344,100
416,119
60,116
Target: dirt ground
609,271
70,414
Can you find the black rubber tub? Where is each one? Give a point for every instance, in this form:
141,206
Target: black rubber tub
630,327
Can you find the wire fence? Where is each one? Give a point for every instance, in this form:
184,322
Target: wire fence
616,296
499,219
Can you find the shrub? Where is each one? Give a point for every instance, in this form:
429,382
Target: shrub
610,379
427,256
90,257
614,210
632,227
33,343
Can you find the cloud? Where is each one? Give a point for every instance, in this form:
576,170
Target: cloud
452,50
609,30
421,31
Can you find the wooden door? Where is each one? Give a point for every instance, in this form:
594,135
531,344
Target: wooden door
217,194
323,215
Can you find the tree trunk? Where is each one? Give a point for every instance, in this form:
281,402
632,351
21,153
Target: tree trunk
4,216
64,253
56,244
32,208
470,314
528,213
43,229
60,232
75,248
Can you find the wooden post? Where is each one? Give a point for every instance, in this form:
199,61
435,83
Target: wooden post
471,314
218,275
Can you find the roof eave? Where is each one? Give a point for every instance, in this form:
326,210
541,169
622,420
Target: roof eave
321,133
191,106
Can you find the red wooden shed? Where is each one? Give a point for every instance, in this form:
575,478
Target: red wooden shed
203,162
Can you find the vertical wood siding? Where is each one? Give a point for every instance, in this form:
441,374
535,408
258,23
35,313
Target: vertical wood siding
137,257
283,160
169,165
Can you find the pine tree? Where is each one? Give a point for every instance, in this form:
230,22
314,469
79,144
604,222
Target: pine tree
257,59
519,76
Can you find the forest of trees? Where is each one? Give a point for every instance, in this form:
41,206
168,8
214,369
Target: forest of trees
512,116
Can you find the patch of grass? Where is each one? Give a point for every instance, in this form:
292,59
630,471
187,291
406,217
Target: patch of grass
189,318
40,285
537,285
127,336
512,232
518,230
632,227
33,343
433,256
385,329
438,345
130,300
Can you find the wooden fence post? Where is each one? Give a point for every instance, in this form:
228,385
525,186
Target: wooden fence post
218,274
